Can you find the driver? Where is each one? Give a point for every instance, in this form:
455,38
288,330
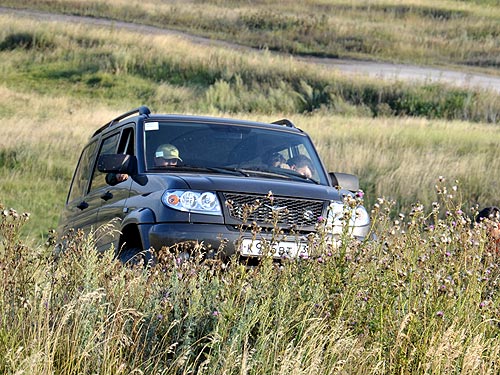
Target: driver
166,155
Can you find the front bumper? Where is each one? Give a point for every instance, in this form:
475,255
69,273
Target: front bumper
227,240
215,237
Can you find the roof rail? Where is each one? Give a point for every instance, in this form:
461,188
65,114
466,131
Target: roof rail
285,122
142,110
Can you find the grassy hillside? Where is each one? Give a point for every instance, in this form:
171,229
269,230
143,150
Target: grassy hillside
462,33
74,78
421,299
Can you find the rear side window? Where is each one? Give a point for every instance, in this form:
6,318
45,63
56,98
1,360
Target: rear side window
82,173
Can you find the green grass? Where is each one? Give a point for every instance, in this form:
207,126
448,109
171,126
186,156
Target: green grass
64,73
462,33
421,299
122,67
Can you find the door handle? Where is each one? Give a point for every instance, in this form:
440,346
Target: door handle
83,205
107,196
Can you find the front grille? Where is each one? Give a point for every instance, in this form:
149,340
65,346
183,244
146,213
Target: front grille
271,210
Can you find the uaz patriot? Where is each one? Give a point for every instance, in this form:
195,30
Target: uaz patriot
226,185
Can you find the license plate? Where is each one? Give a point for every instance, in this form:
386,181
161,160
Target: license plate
280,249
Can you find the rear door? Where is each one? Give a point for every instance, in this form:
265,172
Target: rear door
80,211
114,198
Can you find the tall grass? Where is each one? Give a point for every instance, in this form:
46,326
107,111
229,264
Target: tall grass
423,298
87,62
422,31
398,159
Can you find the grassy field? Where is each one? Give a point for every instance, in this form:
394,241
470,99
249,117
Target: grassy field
423,298
75,78
462,33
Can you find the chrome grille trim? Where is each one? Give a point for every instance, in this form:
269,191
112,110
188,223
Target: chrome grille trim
268,210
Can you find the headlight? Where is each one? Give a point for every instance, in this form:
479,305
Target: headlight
202,202
358,216
361,217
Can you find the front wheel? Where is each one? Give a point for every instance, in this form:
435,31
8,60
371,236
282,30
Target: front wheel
135,256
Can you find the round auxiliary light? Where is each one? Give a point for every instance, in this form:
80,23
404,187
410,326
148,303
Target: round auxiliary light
208,201
189,200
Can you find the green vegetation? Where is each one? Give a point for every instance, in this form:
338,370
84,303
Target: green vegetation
168,72
73,78
423,31
422,299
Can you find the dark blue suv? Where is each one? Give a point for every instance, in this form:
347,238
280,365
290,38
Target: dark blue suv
224,185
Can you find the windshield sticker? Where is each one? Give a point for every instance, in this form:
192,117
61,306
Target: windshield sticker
151,126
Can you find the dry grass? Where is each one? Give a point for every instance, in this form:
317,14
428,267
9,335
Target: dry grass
422,299
398,159
423,31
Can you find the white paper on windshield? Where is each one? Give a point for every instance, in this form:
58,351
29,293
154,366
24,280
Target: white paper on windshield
151,126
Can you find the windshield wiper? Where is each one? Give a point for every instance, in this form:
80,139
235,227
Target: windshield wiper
283,173
197,168
293,174
279,172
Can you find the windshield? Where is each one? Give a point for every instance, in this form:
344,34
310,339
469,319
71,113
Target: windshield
235,149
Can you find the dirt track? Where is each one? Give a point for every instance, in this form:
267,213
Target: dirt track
395,72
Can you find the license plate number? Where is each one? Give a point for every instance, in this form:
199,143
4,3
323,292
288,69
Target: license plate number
280,249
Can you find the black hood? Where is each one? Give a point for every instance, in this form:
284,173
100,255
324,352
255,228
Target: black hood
258,185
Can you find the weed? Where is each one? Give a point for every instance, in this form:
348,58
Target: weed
426,284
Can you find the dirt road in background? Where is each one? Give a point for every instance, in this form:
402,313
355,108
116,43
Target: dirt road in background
386,71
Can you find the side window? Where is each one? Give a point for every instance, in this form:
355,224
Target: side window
108,147
82,173
126,145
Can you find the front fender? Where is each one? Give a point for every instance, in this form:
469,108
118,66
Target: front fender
138,223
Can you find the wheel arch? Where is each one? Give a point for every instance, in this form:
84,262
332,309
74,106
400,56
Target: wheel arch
135,230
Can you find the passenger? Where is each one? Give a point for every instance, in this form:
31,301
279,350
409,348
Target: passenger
302,165
277,160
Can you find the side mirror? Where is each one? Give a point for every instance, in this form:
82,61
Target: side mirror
117,163
345,181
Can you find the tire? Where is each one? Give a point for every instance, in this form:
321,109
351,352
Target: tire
135,256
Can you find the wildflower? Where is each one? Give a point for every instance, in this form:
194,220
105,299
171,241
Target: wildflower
360,194
320,219
440,314
270,196
215,313
159,316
